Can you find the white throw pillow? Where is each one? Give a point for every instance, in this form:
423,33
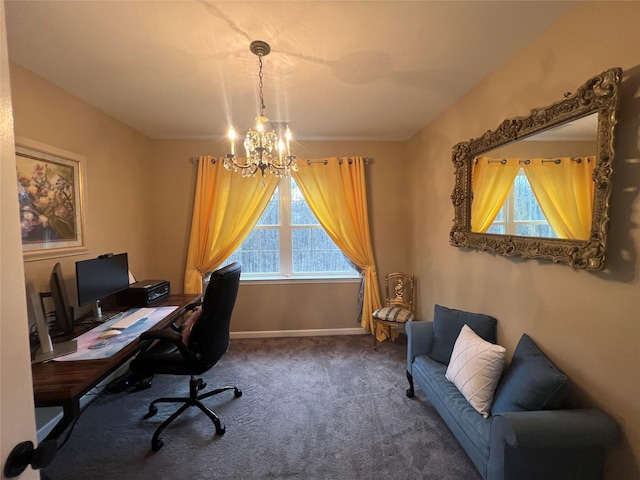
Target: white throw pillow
475,369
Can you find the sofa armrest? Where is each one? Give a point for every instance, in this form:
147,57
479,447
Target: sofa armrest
549,444
553,429
419,340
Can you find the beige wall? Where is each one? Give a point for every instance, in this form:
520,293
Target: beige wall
586,322
17,419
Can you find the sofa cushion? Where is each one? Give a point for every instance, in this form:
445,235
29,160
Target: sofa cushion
532,382
394,314
475,369
447,323
471,429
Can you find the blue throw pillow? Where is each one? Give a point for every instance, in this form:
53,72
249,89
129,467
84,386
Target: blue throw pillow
447,323
532,382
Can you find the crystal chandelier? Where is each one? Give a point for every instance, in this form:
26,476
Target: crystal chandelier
265,150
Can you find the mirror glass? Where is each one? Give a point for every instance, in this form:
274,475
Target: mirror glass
539,186
555,165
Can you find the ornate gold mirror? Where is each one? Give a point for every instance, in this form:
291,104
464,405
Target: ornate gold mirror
539,186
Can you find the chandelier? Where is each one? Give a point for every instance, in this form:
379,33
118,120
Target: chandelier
264,150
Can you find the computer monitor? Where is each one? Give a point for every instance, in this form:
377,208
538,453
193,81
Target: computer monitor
62,306
101,277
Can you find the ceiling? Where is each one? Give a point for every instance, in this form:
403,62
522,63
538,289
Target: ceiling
339,70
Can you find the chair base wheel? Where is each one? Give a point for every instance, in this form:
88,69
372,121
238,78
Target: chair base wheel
220,429
237,393
156,445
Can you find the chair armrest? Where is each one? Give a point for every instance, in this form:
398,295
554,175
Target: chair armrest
419,340
553,429
164,334
193,305
170,336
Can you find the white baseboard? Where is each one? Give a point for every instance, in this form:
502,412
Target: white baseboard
300,333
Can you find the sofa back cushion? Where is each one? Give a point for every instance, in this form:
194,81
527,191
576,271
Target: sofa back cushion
532,382
447,323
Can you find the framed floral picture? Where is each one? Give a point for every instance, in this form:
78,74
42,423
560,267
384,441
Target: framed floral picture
51,198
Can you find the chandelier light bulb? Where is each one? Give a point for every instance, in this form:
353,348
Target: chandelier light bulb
232,137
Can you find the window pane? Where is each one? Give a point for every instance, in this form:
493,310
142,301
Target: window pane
314,251
526,205
260,252
497,229
535,230
271,214
500,215
301,214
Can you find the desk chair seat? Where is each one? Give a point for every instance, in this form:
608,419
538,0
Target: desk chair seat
202,341
399,289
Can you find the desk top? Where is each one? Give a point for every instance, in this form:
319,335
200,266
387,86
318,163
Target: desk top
60,383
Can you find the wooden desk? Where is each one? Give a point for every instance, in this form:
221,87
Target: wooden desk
64,383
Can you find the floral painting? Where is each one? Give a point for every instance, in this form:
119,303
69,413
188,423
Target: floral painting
49,195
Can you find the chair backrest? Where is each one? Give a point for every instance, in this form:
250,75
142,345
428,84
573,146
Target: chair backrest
399,289
210,334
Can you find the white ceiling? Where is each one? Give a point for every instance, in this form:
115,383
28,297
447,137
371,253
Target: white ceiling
341,70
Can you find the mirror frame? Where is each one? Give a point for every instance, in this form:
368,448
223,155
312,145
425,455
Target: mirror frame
599,94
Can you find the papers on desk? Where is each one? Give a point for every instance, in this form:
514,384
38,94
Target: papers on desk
92,347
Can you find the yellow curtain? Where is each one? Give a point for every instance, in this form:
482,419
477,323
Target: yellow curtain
491,181
225,210
565,192
336,194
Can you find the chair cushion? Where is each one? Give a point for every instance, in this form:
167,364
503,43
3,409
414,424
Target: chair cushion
475,369
532,382
394,314
447,323
188,324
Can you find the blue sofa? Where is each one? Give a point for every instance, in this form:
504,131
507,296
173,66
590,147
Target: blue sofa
528,434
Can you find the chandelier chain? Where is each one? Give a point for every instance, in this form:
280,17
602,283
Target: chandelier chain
260,84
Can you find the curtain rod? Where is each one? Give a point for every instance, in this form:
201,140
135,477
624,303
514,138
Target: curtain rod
367,160
527,161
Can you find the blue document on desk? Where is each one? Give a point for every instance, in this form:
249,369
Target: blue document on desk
92,347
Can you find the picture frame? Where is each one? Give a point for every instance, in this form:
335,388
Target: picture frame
51,189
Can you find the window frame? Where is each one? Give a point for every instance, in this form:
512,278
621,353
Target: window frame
286,228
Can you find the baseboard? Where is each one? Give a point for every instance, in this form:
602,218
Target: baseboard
300,333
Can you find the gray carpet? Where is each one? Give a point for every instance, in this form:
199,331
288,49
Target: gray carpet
313,408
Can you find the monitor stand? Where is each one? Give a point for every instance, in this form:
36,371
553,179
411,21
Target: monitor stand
98,315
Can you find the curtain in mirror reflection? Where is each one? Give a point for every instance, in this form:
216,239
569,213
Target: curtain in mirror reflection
563,188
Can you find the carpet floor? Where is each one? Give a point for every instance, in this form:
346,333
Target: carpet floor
312,408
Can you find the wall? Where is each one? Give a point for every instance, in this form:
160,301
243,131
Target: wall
586,322
17,421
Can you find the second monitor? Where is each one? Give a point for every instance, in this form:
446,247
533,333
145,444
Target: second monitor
101,277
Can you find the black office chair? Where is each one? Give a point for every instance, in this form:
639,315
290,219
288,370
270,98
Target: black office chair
203,340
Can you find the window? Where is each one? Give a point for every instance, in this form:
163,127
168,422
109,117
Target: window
521,214
288,241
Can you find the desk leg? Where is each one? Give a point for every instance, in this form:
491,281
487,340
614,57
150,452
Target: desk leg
70,411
